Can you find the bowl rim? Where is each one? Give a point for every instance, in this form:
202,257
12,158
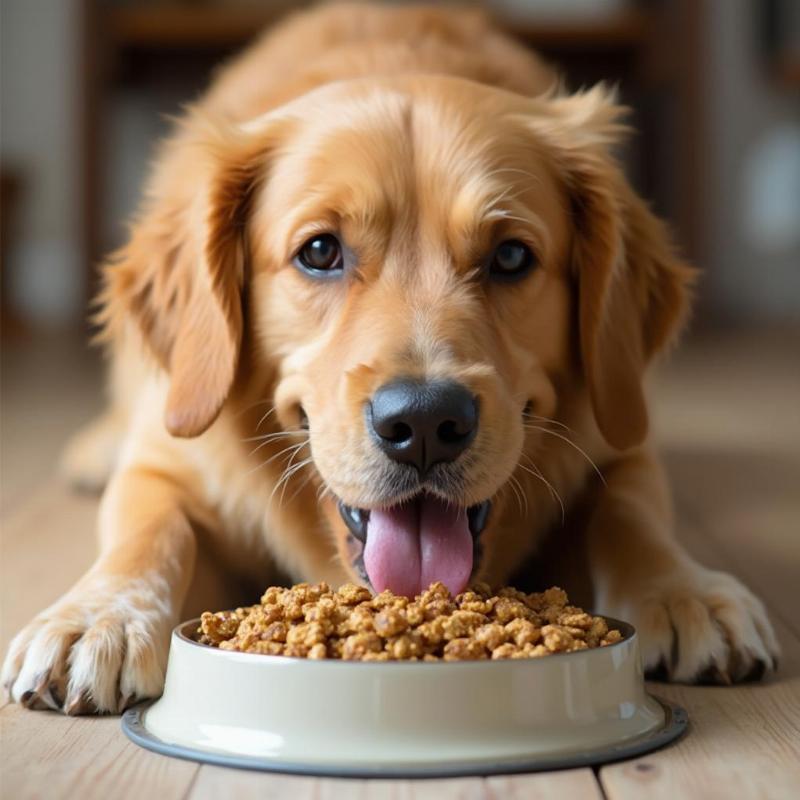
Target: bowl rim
628,631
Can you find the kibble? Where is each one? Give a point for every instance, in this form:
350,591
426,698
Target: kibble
314,621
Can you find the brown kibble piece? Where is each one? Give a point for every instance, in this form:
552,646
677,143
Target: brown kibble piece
405,646
491,636
506,609
612,637
463,650
352,595
523,632
312,621
462,623
390,622
556,639
506,650
218,627
318,651
358,644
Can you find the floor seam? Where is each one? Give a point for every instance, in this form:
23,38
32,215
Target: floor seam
190,788
698,522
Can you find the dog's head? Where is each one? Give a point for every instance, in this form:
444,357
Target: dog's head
422,267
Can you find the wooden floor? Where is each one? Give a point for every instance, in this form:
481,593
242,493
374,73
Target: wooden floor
728,414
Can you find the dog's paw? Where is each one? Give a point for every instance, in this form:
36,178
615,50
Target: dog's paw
702,626
100,648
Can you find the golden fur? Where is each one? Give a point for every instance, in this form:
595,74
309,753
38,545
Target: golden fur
422,137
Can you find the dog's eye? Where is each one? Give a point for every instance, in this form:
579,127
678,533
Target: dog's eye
511,259
321,254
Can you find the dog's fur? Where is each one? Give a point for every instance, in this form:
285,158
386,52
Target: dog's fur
421,137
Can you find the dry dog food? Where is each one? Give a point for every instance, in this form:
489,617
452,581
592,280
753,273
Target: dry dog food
313,621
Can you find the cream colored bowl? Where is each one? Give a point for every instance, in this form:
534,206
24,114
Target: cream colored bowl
403,719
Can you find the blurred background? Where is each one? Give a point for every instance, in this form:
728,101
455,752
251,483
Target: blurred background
87,86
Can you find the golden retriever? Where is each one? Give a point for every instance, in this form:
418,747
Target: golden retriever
384,317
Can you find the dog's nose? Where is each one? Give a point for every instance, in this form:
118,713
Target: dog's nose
423,424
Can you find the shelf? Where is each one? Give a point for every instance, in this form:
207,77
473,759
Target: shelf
623,30
180,26
787,70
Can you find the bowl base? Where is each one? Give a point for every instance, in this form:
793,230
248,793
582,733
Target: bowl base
675,725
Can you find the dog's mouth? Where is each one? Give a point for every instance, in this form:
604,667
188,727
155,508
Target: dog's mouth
408,546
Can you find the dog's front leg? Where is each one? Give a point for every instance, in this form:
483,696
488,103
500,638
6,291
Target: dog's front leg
696,624
105,642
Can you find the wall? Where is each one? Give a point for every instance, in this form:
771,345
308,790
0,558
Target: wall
754,270
39,106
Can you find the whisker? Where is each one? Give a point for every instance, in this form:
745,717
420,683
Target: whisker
301,486
519,491
269,436
265,417
534,470
290,472
550,420
287,476
515,218
575,446
275,488
553,493
512,488
323,492
505,195
501,170
264,444
294,447
252,406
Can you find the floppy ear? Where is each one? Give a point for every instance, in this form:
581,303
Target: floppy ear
633,292
181,275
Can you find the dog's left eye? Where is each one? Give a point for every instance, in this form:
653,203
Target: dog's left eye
511,259
321,254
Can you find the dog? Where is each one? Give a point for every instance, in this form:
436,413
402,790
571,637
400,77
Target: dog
385,317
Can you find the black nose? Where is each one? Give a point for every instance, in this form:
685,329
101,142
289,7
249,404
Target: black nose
423,424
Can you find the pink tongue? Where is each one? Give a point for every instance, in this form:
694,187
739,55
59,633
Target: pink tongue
412,545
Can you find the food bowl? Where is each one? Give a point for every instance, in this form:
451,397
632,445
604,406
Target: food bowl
403,719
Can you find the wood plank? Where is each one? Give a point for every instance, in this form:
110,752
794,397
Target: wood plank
573,783
747,508
46,546
49,755
213,782
735,487
49,387
743,741
735,465
732,466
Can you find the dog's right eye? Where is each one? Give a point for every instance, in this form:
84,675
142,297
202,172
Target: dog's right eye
320,255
